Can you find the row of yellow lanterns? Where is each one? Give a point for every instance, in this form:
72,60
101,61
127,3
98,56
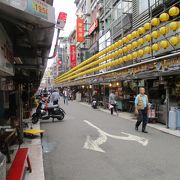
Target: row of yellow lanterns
137,54
163,44
174,11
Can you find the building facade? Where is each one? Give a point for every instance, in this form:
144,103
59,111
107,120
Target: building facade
25,43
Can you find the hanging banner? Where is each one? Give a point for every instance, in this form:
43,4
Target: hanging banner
72,56
80,30
61,20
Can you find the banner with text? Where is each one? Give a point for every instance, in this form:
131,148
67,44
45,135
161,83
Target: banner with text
80,30
72,56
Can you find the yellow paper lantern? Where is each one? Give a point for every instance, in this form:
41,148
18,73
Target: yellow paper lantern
124,49
174,11
174,25
116,44
164,30
120,51
140,53
120,43
141,30
110,56
140,41
147,50
129,37
116,53
113,63
113,55
135,34
155,34
174,40
155,22
164,17
155,47
113,46
117,62
106,50
125,40
134,44
120,60
129,47
135,55
164,44
129,57
124,58
147,26
148,37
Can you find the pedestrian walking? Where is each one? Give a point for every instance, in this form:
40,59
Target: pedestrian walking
112,102
55,97
141,109
65,94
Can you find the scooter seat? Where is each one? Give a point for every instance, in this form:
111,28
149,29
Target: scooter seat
53,106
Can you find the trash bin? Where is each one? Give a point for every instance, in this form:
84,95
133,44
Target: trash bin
178,118
172,118
2,166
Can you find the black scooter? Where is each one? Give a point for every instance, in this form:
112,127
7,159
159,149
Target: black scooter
45,112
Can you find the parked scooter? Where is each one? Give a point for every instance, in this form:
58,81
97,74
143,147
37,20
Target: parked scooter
45,111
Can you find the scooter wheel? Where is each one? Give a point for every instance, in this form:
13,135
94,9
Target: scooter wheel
35,120
61,117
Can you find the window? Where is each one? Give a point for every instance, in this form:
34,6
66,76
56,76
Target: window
144,4
104,41
127,7
122,7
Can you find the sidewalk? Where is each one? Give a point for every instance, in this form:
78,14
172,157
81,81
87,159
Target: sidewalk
36,156
131,117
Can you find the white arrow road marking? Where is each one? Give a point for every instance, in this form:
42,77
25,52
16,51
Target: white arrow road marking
94,144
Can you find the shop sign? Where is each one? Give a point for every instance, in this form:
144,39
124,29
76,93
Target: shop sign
6,56
72,56
93,27
80,30
61,20
41,9
37,8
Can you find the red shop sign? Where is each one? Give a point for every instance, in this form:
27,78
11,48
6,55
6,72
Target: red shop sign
72,56
80,30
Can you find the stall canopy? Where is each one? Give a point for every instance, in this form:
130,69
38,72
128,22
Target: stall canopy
31,30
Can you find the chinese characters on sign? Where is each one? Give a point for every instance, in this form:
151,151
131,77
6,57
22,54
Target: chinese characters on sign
72,56
40,8
80,30
61,20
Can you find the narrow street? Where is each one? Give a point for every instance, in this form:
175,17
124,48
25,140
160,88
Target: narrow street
107,155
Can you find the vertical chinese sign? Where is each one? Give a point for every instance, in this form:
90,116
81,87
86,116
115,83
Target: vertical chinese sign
72,56
80,30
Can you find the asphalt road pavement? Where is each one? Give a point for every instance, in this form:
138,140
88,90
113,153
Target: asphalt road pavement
93,145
